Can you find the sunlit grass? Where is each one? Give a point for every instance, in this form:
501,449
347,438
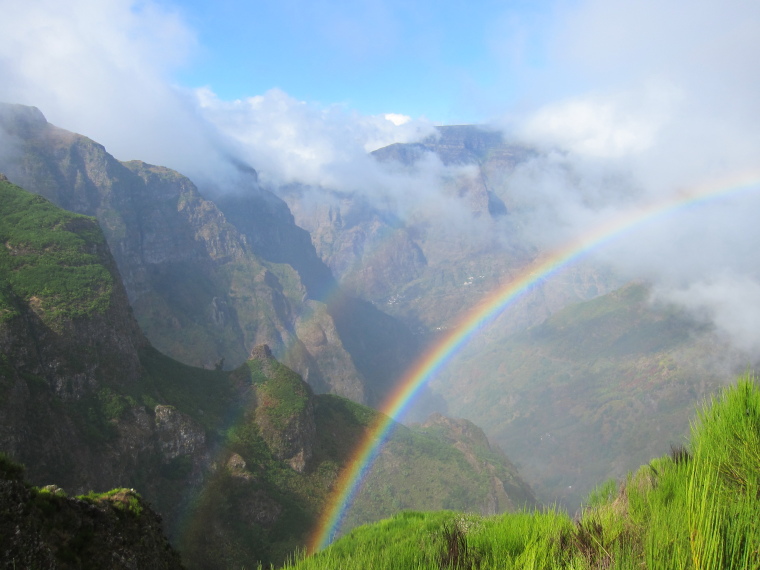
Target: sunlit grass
696,508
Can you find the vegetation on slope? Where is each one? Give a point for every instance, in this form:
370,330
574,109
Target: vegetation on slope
45,528
240,463
590,393
253,506
260,509
695,508
50,258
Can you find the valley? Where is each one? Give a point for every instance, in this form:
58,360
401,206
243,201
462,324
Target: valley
225,353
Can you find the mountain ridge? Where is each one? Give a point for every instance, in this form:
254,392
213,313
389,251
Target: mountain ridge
251,453
204,290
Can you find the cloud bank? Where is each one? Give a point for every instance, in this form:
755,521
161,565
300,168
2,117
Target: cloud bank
105,69
665,100
638,100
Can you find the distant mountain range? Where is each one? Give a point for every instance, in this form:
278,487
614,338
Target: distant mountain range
425,270
580,379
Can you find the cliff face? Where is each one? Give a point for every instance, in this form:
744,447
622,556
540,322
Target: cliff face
44,528
202,290
431,266
71,375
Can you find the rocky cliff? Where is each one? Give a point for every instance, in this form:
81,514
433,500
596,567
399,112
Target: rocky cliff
45,528
426,267
74,403
207,284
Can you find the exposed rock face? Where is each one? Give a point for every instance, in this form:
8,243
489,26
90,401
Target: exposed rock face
202,291
343,338
428,268
456,144
68,359
178,434
368,250
43,528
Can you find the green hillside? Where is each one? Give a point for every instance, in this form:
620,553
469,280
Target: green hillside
264,508
50,257
590,393
694,508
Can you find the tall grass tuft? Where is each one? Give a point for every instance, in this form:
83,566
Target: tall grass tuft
697,508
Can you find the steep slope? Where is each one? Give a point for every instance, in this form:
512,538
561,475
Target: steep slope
364,339
44,528
239,463
694,508
67,338
590,393
278,462
203,290
431,265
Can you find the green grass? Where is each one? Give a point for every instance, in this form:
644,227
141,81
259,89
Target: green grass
123,500
50,258
696,508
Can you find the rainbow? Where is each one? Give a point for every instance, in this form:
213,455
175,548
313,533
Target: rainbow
435,358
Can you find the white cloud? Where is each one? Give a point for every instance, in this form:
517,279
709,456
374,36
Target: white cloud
100,68
397,119
604,127
730,302
103,69
292,141
665,94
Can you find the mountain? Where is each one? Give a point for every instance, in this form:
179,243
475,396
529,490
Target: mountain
576,377
693,508
207,284
592,392
239,463
429,266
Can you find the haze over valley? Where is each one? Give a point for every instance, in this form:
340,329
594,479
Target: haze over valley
526,232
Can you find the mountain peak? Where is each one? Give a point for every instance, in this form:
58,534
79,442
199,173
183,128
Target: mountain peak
21,120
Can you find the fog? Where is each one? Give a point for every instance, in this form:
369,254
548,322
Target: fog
631,103
669,105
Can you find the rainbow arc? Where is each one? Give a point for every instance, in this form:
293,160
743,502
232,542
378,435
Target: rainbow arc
436,357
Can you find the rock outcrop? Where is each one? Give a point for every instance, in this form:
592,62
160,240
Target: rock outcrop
284,411
44,528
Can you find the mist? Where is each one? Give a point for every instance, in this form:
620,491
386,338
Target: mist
669,105
630,103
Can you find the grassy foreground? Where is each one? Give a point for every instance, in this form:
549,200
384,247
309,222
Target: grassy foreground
695,508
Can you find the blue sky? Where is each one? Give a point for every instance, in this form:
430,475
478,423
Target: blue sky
451,61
